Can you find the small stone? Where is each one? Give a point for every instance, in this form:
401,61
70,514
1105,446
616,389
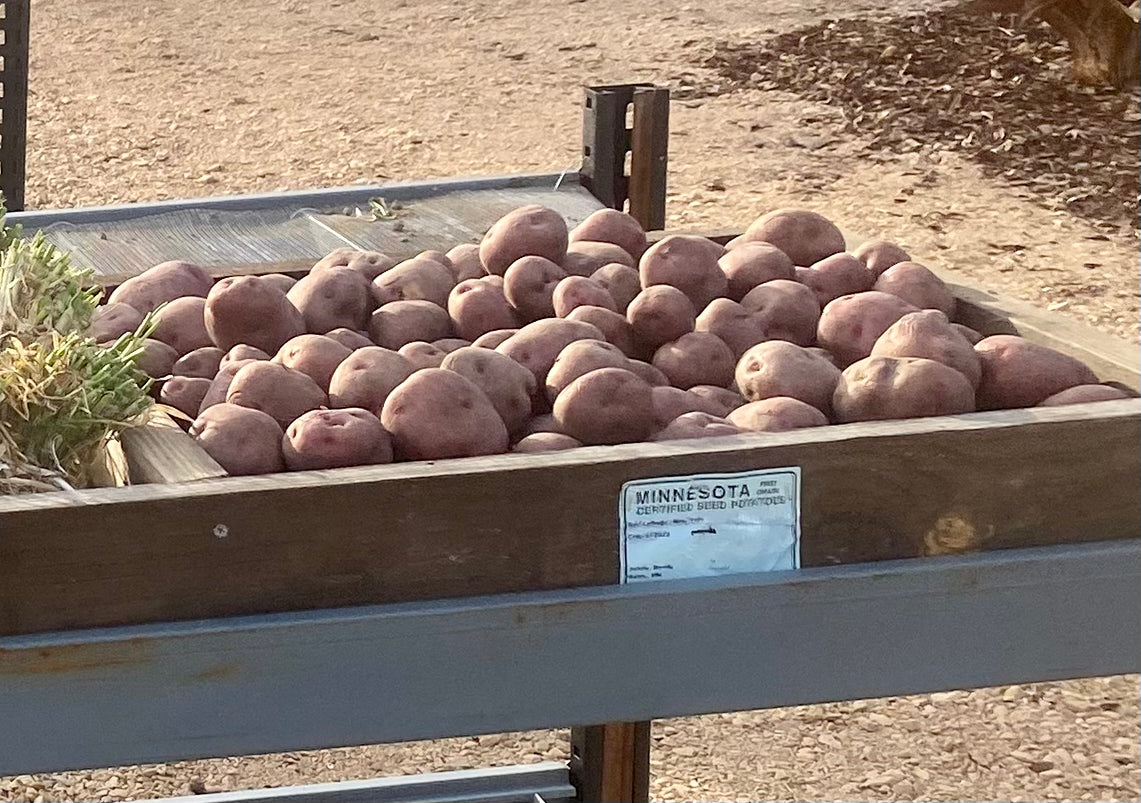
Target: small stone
1041,765
1011,693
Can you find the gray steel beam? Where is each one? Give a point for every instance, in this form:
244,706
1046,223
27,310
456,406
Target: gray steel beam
517,784
565,658
302,199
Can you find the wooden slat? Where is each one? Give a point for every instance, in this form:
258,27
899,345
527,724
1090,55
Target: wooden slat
509,523
160,451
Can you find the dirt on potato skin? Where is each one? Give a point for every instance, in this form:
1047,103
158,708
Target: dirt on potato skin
162,99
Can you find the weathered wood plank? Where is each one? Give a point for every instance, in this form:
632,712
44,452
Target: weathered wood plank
160,451
509,523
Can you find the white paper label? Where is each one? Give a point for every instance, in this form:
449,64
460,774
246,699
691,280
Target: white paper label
713,524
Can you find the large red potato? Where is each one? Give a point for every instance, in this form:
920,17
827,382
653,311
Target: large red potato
780,368
531,230
164,282
537,344
240,439
689,426
578,358
788,310
113,320
401,322
369,264
879,388
316,356
276,390
422,355
437,414
671,402
322,439
220,384
1079,394
366,377
545,442
850,326
613,325
687,263
579,291
465,262
246,310
606,406
929,334
660,314
334,298
835,276
352,339
918,286
184,393
477,307
879,255
722,401
507,384
201,363
157,359
776,414
493,339
752,264
621,281
583,258
807,237
1019,373
737,327
529,286
612,226
416,279
696,358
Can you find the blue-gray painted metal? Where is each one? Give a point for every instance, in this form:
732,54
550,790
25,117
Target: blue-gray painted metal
549,781
556,659
331,198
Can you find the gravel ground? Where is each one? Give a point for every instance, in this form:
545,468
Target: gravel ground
158,99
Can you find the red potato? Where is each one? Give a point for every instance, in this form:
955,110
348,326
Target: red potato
1019,373
401,322
333,298
1084,394
776,414
540,423
507,384
697,358
246,310
881,388
614,327
606,406
352,339
531,230
437,414
579,291
276,390
918,286
879,255
930,335
737,327
157,359
164,282
687,263
280,281
788,310
545,442
537,344
181,324
416,279
477,307
660,314
450,344
113,320
493,339
612,226
578,358
243,352
201,363
368,264
835,276
671,402
316,356
621,281
220,384
465,262
850,326
323,439
970,334
737,242
184,393
752,264
807,237
437,256
583,258
495,281
825,353
693,425
651,375
722,401
529,286
422,355
366,378
780,368
241,440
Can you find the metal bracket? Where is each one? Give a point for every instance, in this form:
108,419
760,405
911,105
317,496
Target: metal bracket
13,101
607,139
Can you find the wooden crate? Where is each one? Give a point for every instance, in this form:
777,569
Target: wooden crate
190,545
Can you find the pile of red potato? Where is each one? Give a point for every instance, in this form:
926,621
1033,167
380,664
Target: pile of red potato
540,339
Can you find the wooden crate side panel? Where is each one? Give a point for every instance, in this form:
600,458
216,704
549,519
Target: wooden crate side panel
536,522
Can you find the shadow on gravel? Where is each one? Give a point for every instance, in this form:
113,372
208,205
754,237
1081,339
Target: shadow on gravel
985,85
